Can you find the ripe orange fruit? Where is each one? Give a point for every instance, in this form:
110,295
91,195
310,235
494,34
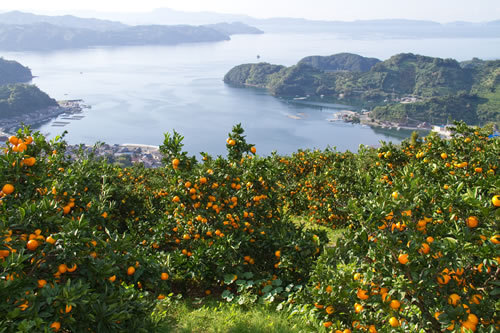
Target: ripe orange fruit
362,294
164,276
8,188
176,162
112,278
73,268
62,268
395,194
131,270
68,308
41,283
232,142
21,147
476,298
277,253
394,322
32,245
30,161
253,150
55,326
473,318
444,156
176,199
330,309
453,299
50,240
395,304
443,279
496,200
424,249
358,307
403,258
327,324
13,140
495,239
66,209
472,222
468,325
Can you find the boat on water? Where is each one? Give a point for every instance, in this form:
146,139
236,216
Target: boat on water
60,123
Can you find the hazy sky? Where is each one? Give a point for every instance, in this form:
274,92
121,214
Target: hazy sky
348,10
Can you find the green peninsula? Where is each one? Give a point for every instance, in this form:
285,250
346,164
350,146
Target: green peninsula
21,99
13,72
407,88
18,99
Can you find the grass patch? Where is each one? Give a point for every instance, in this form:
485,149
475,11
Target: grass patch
213,316
333,234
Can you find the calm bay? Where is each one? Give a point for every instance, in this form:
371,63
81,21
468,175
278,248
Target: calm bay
139,93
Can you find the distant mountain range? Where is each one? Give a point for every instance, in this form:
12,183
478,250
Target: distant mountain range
24,31
69,21
389,28
406,86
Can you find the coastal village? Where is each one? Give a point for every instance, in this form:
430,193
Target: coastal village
67,110
125,155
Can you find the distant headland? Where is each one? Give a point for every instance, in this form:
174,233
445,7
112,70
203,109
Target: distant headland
406,89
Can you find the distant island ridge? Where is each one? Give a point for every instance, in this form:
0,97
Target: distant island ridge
20,31
406,89
29,32
389,28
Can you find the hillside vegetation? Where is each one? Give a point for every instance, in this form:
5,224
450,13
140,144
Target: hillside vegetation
21,99
340,62
437,84
90,246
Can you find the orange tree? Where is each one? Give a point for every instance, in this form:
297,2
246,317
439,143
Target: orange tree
422,252
224,217
86,245
63,262
319,184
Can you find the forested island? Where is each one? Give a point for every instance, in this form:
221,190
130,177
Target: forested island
406,88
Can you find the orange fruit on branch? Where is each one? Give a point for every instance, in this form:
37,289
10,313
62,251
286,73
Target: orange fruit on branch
32,245
8,189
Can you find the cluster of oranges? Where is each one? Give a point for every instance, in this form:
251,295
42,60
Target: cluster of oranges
423,240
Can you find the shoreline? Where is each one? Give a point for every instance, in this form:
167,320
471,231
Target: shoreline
11,125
